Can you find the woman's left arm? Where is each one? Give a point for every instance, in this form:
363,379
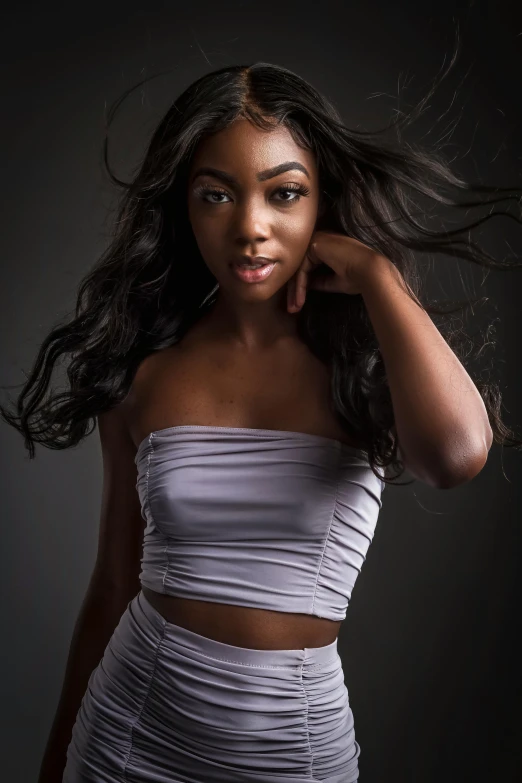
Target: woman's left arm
440,417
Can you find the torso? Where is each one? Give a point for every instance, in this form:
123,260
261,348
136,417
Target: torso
199,381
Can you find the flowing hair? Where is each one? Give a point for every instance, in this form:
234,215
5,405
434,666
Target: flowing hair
151,284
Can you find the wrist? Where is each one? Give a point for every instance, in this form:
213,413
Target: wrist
380,271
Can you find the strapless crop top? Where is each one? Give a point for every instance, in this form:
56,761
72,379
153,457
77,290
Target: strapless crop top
260,518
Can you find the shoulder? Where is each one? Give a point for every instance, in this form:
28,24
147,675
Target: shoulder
163,382
148,372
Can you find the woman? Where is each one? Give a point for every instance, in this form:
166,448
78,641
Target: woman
255,352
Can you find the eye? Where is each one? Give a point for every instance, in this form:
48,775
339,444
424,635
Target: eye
292,187
204,192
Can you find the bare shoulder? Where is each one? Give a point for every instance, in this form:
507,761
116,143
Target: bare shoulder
163,384
122,523
202,381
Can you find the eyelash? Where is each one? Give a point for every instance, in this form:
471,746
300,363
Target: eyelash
300,190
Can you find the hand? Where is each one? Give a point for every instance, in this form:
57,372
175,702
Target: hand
352,262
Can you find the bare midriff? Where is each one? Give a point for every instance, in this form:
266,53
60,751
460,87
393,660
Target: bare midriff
202,380
256,629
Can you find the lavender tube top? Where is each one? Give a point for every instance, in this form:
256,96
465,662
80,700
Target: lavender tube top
260,518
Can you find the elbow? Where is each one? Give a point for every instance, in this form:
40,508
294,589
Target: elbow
461,471
449,470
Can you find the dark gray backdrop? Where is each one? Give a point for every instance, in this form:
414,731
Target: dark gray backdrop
429,646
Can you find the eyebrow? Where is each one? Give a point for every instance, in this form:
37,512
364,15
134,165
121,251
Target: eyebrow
261,175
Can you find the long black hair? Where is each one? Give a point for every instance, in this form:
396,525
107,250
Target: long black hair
151,283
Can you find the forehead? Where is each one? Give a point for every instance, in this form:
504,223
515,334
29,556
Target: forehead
243,149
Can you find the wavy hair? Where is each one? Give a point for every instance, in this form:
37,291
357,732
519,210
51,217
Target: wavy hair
142,295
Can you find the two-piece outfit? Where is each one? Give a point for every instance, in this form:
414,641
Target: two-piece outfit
253,517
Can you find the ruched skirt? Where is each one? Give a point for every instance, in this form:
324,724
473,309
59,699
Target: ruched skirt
166,705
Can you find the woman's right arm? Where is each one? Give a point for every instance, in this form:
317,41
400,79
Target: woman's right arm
114,582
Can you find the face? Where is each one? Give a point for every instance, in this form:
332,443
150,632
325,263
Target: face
243,208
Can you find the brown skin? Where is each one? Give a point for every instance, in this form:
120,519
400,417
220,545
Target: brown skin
218,373
252,218
440,417
248,337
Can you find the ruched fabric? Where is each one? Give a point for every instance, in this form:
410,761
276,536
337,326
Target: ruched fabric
260,518
166,705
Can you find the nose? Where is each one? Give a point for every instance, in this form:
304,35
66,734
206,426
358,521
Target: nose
251,222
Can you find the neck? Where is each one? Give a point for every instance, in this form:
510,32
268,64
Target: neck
251,326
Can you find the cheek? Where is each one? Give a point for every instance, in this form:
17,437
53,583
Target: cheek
298,231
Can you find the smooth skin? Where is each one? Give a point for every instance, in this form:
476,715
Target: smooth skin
240,365
252,217
243,365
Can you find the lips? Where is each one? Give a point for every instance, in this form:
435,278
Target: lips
253,260
252,275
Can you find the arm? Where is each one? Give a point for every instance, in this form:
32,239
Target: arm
441,420
114,582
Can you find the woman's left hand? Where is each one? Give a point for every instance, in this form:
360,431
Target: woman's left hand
352,262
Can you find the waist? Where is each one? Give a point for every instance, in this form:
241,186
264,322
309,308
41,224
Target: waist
257,629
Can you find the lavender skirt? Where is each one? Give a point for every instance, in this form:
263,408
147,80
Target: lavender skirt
166,705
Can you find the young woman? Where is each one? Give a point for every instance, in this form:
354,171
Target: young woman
256,352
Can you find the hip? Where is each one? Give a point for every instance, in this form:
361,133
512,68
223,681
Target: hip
168,705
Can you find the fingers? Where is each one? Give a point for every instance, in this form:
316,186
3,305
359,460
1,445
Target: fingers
290,294
301,281
297,286
300,288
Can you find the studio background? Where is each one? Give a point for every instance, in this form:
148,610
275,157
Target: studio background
430,645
